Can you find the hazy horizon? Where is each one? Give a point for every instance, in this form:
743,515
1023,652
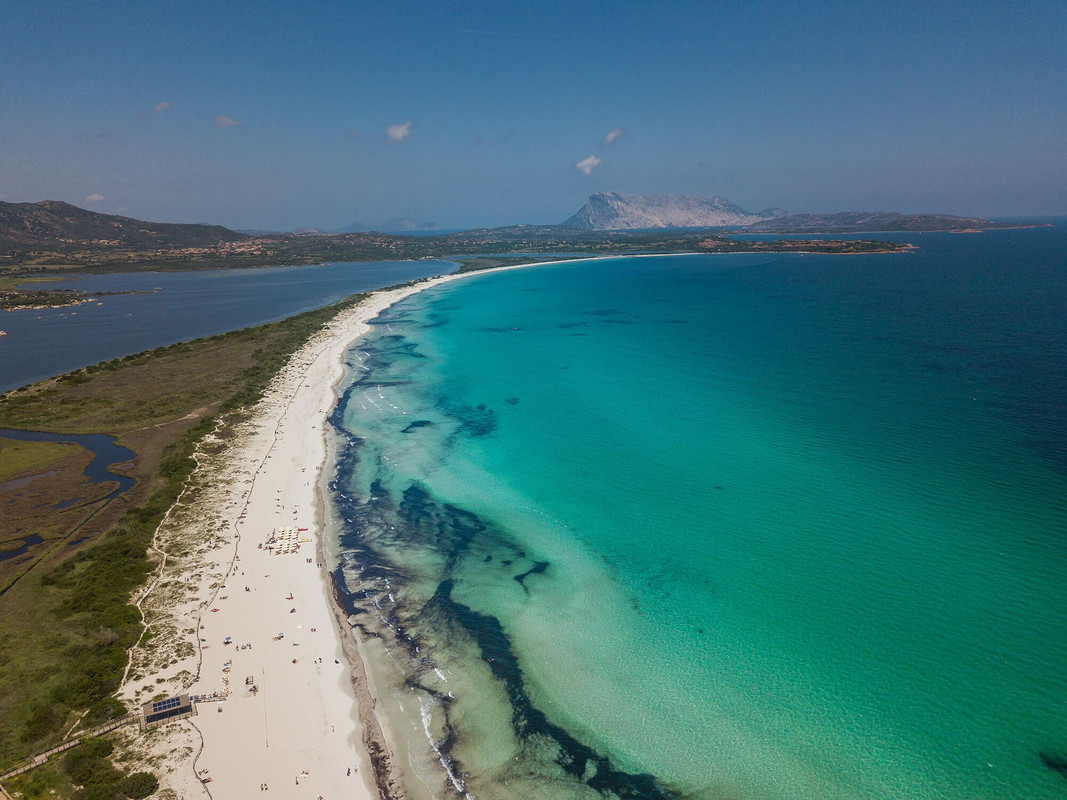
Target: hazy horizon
269,116
435,229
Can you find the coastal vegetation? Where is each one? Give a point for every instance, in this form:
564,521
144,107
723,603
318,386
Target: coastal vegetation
85,773
66,619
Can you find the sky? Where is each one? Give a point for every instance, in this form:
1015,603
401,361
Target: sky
277,115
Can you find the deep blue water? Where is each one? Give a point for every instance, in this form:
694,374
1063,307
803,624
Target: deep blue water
749,526
180,306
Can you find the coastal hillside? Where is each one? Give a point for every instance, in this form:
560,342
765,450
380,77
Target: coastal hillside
57,226
867,221
606,211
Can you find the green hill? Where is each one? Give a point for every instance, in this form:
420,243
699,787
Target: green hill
56,226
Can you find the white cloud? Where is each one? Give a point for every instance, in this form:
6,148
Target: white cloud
613,134
223,121
162,107
587,165
94,198
398,133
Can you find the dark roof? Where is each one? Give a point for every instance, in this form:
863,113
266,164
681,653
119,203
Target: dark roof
167,706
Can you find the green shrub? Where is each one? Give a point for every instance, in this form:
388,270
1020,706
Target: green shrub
138,785
94,772
45,718
95,747
108,708
87,763
97,791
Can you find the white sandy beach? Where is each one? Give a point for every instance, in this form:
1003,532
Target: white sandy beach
308,728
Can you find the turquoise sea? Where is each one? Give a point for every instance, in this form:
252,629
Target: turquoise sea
742,526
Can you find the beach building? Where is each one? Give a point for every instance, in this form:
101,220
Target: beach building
161,710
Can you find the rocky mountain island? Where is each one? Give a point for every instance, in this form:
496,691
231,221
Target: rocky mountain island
613,211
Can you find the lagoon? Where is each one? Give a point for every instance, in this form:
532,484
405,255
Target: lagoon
177,306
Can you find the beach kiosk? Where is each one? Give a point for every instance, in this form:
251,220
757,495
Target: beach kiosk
162,710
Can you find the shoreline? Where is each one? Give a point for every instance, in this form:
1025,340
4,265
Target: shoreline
333,741
307,719
440,297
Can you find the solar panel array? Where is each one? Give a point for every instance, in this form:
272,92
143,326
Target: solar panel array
164,705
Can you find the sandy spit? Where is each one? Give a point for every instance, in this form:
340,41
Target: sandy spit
295,710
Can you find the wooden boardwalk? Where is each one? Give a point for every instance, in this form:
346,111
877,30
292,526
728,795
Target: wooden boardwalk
35,760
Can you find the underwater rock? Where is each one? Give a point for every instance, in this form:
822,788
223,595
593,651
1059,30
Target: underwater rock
1057,762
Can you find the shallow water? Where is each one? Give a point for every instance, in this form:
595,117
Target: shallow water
724,526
